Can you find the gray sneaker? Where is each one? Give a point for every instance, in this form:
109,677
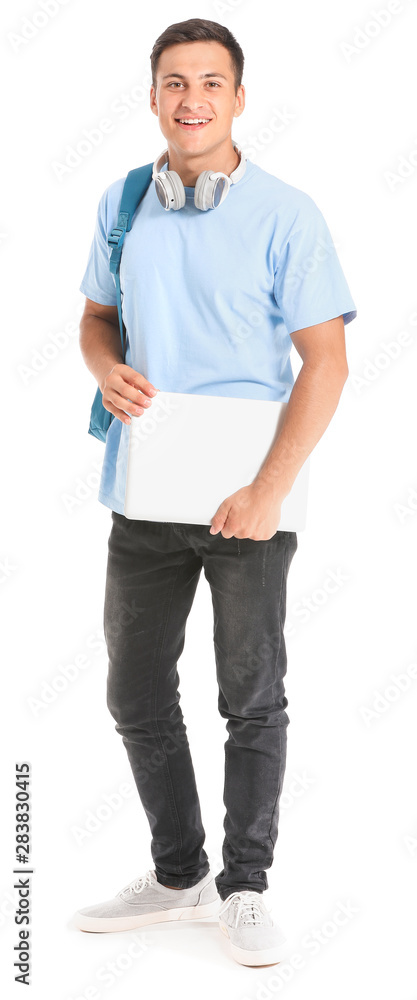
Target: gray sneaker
254,938
146,901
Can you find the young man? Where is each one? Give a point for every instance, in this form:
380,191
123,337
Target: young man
214,297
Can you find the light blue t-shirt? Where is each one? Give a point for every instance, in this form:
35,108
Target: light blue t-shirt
210,298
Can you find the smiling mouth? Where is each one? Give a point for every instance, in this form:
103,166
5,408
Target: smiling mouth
192,124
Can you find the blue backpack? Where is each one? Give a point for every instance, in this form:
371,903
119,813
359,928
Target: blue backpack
135,186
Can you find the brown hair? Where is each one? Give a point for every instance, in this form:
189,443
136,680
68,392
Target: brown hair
197,29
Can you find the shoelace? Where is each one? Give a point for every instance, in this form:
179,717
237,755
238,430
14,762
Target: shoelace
137,885
248,907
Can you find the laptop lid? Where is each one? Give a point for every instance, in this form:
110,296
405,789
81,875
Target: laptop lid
188,452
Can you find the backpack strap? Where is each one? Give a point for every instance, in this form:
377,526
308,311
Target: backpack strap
135,186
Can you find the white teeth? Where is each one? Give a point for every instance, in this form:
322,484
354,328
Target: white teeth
193,121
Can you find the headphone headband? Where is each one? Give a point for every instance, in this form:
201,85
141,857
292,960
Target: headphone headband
211,186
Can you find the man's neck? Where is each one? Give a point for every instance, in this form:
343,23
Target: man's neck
189,172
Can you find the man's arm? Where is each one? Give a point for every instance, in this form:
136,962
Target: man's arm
312,403
252,511
124,390
100,342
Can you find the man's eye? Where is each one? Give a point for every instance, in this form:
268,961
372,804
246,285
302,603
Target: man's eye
177,83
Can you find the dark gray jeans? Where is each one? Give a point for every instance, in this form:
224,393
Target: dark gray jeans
152,575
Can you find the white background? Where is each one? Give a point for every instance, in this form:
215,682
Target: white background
351,836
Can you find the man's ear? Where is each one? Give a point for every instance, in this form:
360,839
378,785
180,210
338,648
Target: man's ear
152,101
241,107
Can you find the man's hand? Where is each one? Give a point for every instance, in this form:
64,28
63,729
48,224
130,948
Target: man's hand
254,511
126,389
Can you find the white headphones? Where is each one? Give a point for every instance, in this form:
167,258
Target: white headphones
211,187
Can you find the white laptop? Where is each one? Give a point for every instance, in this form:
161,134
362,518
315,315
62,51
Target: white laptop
188,452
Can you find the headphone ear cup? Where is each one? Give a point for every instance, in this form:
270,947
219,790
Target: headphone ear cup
210,188
203,191
170,190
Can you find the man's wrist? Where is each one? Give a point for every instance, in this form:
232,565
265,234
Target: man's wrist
269,485
103,379
108,372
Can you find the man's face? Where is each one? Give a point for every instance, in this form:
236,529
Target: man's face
185,90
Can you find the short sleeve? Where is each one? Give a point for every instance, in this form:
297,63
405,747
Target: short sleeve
98,282
309,283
